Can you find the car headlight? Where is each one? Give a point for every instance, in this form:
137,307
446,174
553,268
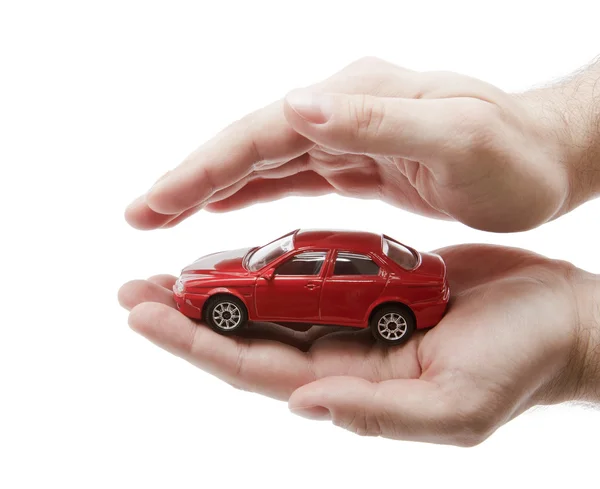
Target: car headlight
179,287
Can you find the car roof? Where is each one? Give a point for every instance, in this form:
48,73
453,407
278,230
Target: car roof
343,240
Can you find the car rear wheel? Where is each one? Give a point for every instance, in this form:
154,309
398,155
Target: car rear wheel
226,314
392,324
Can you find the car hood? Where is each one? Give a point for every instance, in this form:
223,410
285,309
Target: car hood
222,262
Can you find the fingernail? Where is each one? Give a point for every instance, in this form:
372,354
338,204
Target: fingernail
318,413
312,107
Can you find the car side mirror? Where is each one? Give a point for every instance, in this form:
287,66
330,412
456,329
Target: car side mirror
269,274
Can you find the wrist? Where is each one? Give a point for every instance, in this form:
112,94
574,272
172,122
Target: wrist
575,126
569,134
569,115
574,360
586,385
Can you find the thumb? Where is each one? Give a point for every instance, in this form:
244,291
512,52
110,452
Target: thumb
410,409
371,125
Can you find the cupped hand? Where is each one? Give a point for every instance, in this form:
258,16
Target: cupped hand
510,339
436,143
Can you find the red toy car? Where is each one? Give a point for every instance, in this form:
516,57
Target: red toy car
342,278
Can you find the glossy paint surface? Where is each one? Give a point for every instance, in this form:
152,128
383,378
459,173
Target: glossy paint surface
342,277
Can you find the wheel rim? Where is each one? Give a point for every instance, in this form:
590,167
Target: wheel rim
227,315
392,326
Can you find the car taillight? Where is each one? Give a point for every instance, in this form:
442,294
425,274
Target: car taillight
179,287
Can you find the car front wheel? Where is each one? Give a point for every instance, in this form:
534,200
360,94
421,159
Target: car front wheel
392,324
226,314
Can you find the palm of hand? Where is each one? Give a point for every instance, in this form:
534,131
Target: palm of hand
490,358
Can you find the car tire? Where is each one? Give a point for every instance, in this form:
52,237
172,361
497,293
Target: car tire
226,314
393,324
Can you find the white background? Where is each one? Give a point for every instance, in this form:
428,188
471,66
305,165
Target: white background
97,100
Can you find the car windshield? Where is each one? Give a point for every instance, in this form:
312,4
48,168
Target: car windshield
400,254
265,255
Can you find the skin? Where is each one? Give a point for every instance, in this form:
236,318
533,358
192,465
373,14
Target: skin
521,329
439,144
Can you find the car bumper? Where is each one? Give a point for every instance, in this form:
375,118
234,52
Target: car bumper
190,305
428,314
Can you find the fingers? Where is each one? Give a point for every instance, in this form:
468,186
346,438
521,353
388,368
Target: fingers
164,280
265,190
140,216
366,124
261,137
415,410
175,220
268,367
270,171
273,367
159,288
138,291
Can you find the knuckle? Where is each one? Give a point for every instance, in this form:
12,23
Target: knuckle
565,270
367,115
207,177
359,423
246,126
439,83
242,352
368,75
193,343
365,63
238,377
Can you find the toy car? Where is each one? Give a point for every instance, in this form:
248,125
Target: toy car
343,278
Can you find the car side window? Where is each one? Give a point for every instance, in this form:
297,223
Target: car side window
307,263
354,264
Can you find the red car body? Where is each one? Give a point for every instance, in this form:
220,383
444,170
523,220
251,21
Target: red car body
331,292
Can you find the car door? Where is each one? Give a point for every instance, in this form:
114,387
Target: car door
293,293
353,283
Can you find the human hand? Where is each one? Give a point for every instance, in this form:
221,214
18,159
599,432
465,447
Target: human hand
521,330
436,143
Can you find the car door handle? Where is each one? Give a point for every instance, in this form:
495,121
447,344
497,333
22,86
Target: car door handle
311,286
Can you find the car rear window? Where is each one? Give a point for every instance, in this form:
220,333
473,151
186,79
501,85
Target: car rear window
400,254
